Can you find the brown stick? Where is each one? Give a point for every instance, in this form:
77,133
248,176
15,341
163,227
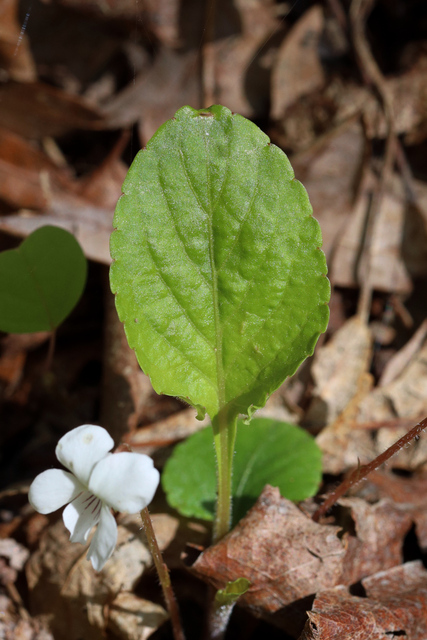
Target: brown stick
164,577
363,471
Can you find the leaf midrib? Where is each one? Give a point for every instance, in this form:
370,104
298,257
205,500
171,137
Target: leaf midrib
220,379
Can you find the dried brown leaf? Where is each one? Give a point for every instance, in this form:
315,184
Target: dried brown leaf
70,594
15,54
281,551
297,69
133,618
330,171
377,541
337,369
34,110
387,271
396,606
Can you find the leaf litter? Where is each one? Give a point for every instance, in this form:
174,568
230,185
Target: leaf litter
322,81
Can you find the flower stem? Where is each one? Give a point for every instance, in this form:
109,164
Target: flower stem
224,438
164,577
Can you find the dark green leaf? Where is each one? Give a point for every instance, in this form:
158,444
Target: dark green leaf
267,452
41,281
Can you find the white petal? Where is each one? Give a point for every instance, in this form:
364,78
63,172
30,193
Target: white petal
81,515
126,481
52,489
80,449
104,540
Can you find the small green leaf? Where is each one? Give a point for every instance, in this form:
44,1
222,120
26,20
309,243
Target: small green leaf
267,452
41,281
217,270
232,592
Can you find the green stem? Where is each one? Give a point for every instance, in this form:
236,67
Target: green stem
163,574
224,437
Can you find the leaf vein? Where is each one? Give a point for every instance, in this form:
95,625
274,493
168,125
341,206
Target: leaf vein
175,296
169,208
279,351
184,166
173,346
242,222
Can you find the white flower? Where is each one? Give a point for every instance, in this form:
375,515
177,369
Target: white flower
98,481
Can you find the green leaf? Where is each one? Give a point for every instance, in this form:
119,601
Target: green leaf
217,270
41,281
267,452
232,592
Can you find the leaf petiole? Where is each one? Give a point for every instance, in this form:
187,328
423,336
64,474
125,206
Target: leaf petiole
224,430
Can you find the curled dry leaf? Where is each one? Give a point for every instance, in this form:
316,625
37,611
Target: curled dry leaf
404,397
90,225
286,556
382,258
396,606
242,56
34,110
337,369
178,426
330,170
281,551
13,624
25,171
298,70
16,554
350,441
15,53
410,496
132,618
377,540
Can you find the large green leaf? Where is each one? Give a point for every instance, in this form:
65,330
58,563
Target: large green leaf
217,270
267,452
41,281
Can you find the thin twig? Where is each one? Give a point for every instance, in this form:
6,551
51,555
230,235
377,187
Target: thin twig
163,574
363,471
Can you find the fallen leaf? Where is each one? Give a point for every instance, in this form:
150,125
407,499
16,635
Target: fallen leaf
34,110
155,95
242,59
90,225
15,53
281,551
396,606
409,494
178,426
337,369
377,541
330,171
297,69
14,626
402,358
70,594
382,259
133,618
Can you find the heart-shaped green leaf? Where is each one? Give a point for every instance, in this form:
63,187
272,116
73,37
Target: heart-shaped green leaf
41,281
217,270
267,452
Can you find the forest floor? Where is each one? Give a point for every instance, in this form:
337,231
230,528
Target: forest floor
341,87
